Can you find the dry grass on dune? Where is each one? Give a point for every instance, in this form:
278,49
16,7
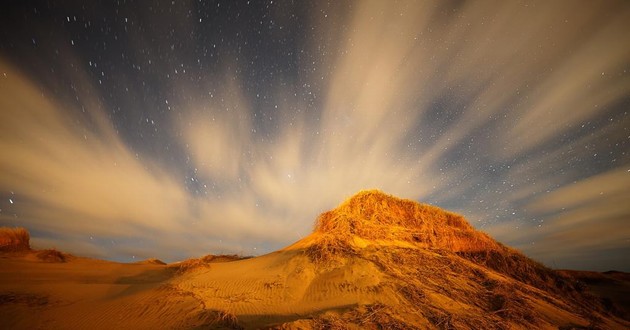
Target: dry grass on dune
218,319
424,241
374,316
523,269
190,265
18,240
227,319
438,289
373,215
417,281
151,261
52,255
434,289
14,239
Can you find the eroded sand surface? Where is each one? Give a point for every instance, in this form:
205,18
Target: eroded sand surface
374,262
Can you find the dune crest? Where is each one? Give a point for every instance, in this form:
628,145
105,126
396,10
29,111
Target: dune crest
373,216
381,261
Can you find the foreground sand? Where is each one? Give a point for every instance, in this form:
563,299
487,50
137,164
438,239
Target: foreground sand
376,262
283,289
77,294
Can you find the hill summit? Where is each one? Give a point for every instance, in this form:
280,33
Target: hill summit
435,260
375,216
373,219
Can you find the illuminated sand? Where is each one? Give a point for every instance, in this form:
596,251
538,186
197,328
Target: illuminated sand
376,261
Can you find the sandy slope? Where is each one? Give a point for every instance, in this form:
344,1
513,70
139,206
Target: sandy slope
284,287
77,294
280,287
86,293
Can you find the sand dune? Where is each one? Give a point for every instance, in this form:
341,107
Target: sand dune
374,262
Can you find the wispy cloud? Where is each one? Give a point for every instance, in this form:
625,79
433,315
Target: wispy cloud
508,113
77,181
581,221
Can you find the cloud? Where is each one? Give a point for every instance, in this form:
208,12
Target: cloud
481,108
583,220
218,136
69,179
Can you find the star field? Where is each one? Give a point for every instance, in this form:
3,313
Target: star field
175,129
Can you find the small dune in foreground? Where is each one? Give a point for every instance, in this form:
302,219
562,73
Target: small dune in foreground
204,262
52,255
374,262
151,261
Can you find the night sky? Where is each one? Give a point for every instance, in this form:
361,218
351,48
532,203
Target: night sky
175,129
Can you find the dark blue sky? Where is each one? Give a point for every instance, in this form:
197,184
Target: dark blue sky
176,129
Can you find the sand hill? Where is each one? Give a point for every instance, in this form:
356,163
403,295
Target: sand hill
375,262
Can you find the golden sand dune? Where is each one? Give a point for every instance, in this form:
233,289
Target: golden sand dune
375,262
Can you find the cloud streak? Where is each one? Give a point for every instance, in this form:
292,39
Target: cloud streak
72,181
582,220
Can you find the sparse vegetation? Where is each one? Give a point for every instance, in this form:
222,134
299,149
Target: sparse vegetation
214,258
14,239
432,252
373,215
152,261
52,255
329,321
190,265
221,319
328,247
373,316
204,262
228,319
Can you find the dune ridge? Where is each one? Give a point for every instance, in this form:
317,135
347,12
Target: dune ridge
372,215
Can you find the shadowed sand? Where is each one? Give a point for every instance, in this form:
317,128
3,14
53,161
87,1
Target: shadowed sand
374,262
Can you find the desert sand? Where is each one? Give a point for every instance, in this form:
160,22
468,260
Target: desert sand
375,262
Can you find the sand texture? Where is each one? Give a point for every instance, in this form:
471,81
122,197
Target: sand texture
375,262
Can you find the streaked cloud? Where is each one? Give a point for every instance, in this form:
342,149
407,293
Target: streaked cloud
581,220
510,113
